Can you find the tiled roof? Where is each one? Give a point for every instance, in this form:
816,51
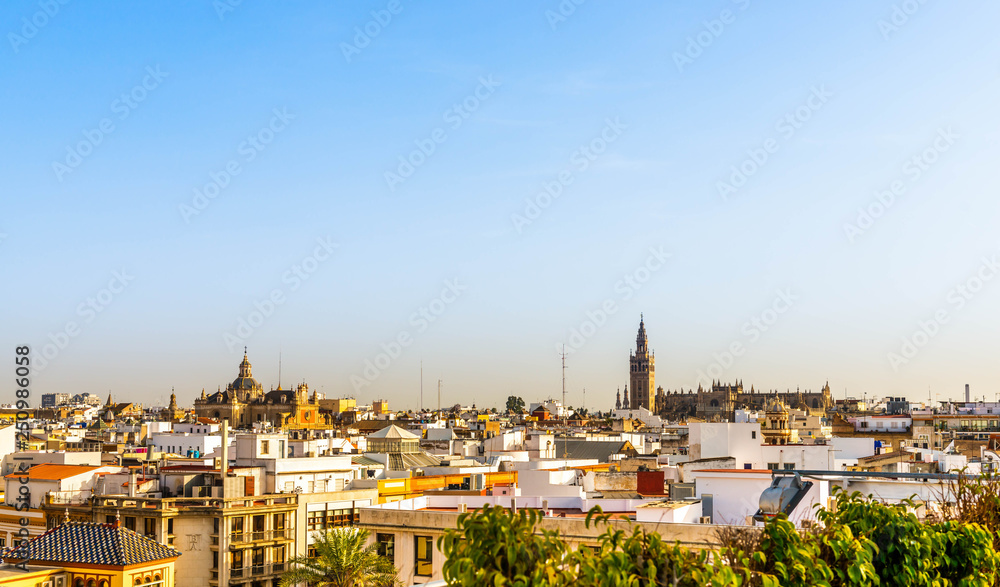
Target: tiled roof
53,472
92,544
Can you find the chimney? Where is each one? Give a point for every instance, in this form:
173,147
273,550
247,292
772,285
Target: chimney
131,482
966,393
224,468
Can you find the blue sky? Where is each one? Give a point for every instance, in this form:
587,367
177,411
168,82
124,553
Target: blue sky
635,113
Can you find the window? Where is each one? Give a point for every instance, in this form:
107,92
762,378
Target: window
258,557
423,556
278,556
772,466
265,447
236,525
170,525
753,434
386,546
237,559
789,466
279,521
258,527
215,559
315,520
130,523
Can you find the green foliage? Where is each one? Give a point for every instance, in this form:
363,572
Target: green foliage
861,542
910,552
494,546
515,404
644,559
342,560
964,554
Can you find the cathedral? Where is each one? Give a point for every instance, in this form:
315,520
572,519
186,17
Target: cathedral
244,403
718,402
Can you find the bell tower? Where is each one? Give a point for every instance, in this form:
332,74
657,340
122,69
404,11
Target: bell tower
642,372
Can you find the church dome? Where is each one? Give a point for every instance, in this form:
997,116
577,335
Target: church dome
245,381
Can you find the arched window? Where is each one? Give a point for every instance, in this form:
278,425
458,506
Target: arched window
715,403
78,582
91,583
815,402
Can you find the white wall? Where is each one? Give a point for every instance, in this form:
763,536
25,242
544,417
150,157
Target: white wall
726,439
737,495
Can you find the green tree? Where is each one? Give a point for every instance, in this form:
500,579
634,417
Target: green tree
494,546
515,404
342,560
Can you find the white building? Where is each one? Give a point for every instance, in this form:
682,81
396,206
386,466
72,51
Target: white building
188,439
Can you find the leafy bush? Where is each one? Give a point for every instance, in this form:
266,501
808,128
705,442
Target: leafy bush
494,546
860,542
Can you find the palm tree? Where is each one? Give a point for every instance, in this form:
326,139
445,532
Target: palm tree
342,560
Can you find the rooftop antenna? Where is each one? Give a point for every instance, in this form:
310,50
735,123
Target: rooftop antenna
421,386
439,395
279,367
563,355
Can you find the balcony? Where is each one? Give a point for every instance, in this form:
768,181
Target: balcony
260,536
256,572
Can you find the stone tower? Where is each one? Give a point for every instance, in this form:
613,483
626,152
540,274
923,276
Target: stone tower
641,373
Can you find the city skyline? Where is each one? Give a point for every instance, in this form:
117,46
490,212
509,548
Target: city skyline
789,195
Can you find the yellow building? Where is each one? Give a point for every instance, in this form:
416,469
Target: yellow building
341,405
87,554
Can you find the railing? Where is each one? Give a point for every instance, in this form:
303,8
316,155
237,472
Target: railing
252,502
256,571
240,537
68,497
